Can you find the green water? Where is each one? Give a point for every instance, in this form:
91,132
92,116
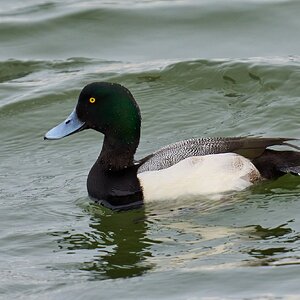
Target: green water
196,68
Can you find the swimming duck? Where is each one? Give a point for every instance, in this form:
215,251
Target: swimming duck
189,168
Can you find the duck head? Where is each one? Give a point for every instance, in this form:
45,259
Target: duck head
105,107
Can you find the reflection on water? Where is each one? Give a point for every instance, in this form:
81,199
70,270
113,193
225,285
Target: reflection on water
129,244
265,253
268,233
275,246
120,240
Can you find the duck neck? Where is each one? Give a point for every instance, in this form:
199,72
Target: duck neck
117,154
113,178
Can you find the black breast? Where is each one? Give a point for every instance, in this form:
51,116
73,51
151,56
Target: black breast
115,189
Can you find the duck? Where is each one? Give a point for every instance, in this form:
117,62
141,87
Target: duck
191,168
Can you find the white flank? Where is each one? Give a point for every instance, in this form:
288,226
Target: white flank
199,175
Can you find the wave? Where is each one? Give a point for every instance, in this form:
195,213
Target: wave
147,31
234,76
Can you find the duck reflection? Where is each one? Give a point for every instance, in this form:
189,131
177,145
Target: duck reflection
273,247
119,240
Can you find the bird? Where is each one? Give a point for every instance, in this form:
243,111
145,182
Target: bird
185,169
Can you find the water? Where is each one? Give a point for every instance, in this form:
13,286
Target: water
196,68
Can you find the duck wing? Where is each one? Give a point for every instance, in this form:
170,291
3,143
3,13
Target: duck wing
249,147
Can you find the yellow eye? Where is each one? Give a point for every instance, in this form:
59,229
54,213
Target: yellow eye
92,100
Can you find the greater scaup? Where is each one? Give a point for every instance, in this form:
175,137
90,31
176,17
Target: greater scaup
188,168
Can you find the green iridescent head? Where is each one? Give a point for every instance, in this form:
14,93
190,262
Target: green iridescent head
106,107
111,109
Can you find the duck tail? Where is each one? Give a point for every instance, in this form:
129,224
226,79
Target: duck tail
273,164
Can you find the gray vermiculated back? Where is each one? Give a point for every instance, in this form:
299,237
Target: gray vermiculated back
249,147
174,153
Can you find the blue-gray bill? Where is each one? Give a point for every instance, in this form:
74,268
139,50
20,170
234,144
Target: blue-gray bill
71,125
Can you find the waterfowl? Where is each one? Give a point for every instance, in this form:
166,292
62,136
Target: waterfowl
188,168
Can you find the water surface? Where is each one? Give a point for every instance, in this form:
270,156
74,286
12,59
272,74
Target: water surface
196,68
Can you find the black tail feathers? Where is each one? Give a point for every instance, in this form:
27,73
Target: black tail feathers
273,164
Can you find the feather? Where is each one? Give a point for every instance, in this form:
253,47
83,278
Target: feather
249,147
